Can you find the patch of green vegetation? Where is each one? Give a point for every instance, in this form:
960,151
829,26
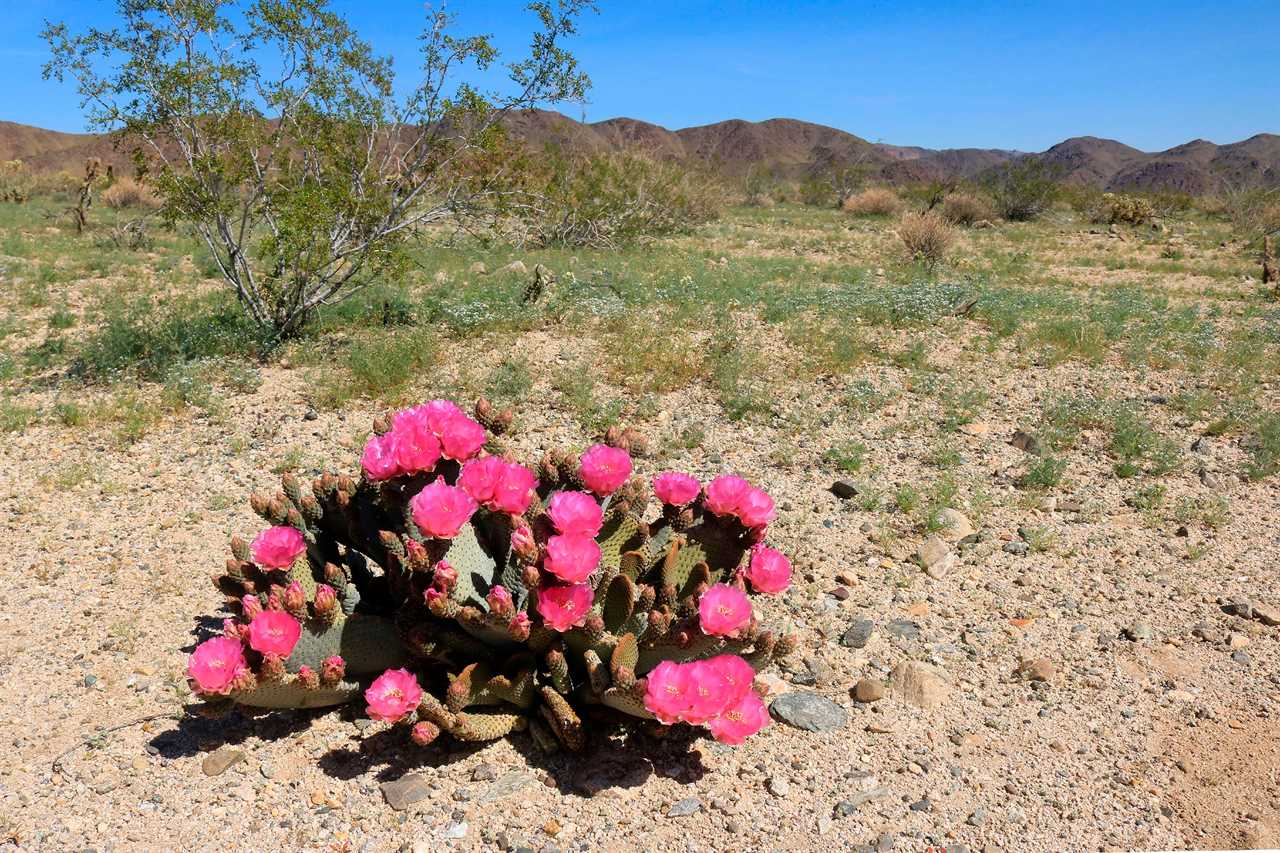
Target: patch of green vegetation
847,456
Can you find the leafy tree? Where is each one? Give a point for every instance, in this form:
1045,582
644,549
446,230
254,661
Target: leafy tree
282,139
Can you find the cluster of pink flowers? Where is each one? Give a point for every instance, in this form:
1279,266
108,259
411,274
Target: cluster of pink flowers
572,554
277,547
498,484
715,692
217,663
734,496
393,695
419,437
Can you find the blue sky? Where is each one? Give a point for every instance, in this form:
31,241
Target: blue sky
939,74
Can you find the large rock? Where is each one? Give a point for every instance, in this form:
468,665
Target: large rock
936,556
808,711
407,790
920,684
955,525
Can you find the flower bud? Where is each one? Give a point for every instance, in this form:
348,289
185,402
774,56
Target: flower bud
445,577
523,544
518,630
326,602
310,680
531,577
500,603
332,669
250,606
436,601
417,555
295,600
424,733
272,668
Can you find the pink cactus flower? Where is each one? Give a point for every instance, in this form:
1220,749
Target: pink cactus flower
434,598
576,513
755,508
250,606
667,691
393,695
437,413
461,437
738,676
723,610
769,570
379,457
415,447
740,721
604,469
440,510
572,558
709,693
676,489
274,632
277,547
479,477
724,494
216,664
564,607
500,602
514,489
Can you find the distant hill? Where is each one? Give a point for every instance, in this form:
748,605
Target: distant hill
794,149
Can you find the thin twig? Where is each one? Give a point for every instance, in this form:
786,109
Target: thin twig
88,741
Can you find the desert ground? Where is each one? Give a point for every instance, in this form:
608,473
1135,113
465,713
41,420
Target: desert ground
1051,542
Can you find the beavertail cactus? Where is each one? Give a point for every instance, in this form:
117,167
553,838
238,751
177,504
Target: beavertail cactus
457,591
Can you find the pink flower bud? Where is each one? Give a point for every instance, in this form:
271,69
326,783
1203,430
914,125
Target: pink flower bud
250,606
523,544
308,677
326,601
675,489
444,577
723,611
500,603
440,510
332,669
424,733
295,598
417,553
393,695
435,600
519,628
277,547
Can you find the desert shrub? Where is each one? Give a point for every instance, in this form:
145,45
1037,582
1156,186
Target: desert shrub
815,192
610,200
1023,189
16,182
1115,208
127,193
1253,211
873,201
964,208
927,237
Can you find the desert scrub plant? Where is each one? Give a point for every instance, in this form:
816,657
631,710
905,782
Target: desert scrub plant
1046,472
127,193
1113,208
1263,445
848,456
459,592
872,201
302,163
613,200
965,208
380,365
1135,442
1022,189
927,238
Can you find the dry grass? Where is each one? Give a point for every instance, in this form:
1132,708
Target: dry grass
873,201
927,237
127,193
966,209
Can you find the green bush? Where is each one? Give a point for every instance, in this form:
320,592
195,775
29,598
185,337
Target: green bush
1023,189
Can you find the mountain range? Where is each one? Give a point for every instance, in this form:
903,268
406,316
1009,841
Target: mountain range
794,149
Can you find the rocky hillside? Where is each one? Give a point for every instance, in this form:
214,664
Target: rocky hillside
795,149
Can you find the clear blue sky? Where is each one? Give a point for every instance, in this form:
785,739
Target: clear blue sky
939,74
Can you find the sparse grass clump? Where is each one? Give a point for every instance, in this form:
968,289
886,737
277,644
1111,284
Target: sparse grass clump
926,237
127,193
873,201
964,208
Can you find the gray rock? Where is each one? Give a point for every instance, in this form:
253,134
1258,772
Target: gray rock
685,807
778,786
484,773
858,634
1140,632
978,818
1241,658
454,829
1026,442
405,791
217,762
1018,549
903,629
933,551
808,711
506,785
1266,614
955,525
922,805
